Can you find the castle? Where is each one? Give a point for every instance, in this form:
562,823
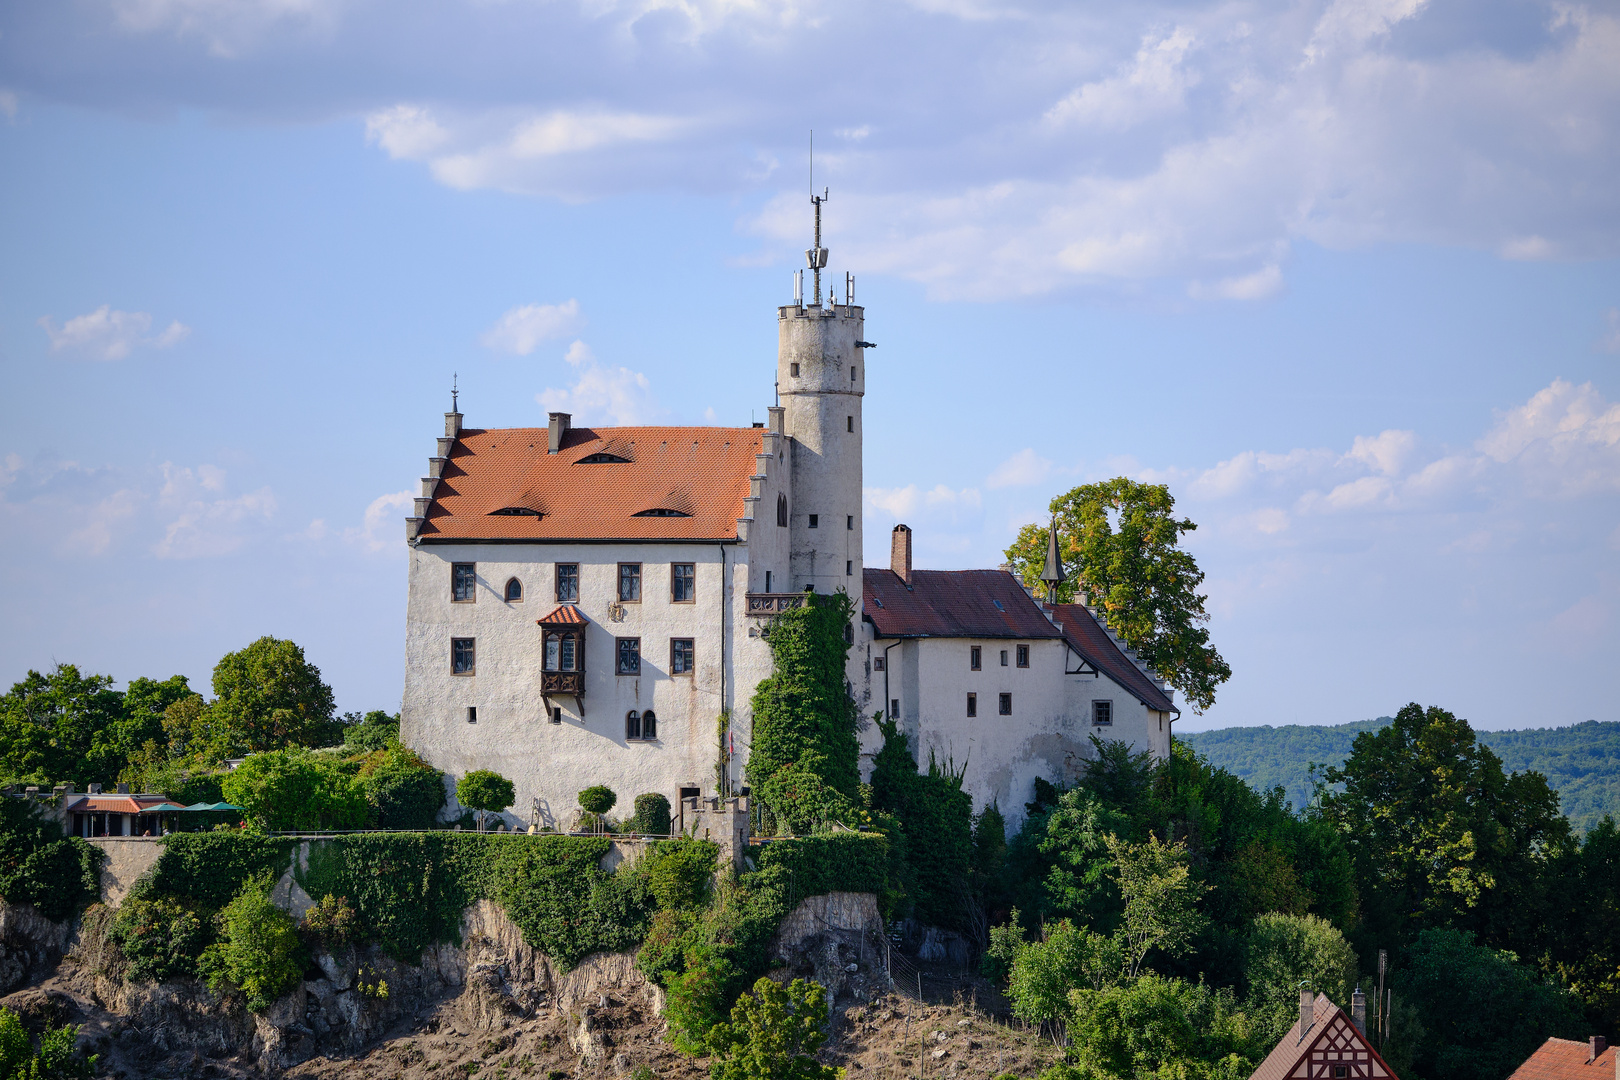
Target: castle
586,604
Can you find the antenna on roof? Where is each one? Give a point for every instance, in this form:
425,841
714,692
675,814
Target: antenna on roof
816,256
454,392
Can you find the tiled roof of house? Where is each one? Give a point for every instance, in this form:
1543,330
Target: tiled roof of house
1333,1036
953,603
646,483
1562,1059
122,804
1087,637
565,615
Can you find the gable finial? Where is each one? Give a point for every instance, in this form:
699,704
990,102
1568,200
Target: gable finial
454,393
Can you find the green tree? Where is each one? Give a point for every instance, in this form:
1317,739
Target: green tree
259,952
1043,972
1161,900
145,702
773,1034
1281,952
652,815
51,724
1440,836
296,790
268,697
1120,540
803,714
1157,1027
402,790
936,816
485,792
373,731
1482,1012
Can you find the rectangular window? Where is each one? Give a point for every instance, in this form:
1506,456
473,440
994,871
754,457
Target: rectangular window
630,582
849,522
1102,713
567,582
682,582
472,714
463,582
815,521
1006,704
976,658
556,714
1341,1072
1003,657
849,567
632,725
973,704
462,656
629,656
894,708
849,423
680,656
793,370
1023,656
767,581
877,663
852,373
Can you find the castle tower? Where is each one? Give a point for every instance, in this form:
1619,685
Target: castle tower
821,377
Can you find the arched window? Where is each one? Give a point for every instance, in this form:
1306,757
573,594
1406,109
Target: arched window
781,510
514,590
649,725
632,725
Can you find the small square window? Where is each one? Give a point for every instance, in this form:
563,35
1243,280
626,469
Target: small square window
556,714
815,521
793,370
683,582
973,704
849,522
472,714
849,423
629,656
1006,704
1102,713
680,656
630,582
849,567
852,373
463,656
1023,656
1003,657
976,658
463,582
567,582
894,708
1340,1072
877,663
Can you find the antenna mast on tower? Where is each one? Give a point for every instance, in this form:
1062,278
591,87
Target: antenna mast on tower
816,256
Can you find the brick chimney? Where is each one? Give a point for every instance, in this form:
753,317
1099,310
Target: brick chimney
1358,1011
1599,1044
900,553
1307,1010
560,422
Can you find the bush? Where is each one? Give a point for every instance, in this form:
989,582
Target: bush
209,868
332,922
652,815
259,952
680,873
402,790
1159,1027
485,792
296,790
372,732
597,800
39,866
773,1034
1285,950
57,1057
161,939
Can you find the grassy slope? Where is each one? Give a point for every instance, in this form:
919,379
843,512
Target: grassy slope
1582,762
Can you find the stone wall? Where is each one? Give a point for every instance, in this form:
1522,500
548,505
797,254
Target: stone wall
128,857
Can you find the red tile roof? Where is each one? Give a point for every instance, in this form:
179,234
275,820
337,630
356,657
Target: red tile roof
565,615
953,603
1562,1059
1087,637
697,477
1334,1039
122,804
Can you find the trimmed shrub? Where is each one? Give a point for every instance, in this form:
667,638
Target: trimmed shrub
652,815
485,792
598,799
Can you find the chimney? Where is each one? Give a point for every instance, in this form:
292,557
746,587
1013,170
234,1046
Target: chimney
1358,1011
900,553
452,425
776,413
1599,1044
1307,1010
559,428
123,789
95,789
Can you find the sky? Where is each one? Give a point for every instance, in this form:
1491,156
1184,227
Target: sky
1344,274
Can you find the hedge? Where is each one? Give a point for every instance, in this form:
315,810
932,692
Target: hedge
830,862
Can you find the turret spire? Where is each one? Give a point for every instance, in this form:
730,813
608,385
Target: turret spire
1052,573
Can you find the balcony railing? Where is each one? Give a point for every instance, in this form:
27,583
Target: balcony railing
773,603
562,682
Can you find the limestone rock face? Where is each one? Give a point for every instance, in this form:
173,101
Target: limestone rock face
30,945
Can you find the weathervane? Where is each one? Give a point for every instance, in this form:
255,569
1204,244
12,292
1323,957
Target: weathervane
454,407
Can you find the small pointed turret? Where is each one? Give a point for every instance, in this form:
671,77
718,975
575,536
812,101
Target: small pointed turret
1052,573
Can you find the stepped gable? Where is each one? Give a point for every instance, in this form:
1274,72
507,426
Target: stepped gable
952,603
1565,1059
1087,637
1331,1048
643,483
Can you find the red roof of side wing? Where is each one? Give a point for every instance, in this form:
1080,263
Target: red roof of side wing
1086,637
626,483
952,603
1563,1059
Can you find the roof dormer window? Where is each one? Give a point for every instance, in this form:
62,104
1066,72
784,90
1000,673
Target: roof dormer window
602,459
516,511
660,511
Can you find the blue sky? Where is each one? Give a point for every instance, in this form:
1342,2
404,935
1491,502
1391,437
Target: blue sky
1343,274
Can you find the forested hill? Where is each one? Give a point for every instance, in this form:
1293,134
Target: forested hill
1582,762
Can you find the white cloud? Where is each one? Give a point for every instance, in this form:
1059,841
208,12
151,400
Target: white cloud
1610,341
1387,452
1566,438
602,394
203,526
1153,84
1021,470
384,526
107,334
1264,282
523,328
